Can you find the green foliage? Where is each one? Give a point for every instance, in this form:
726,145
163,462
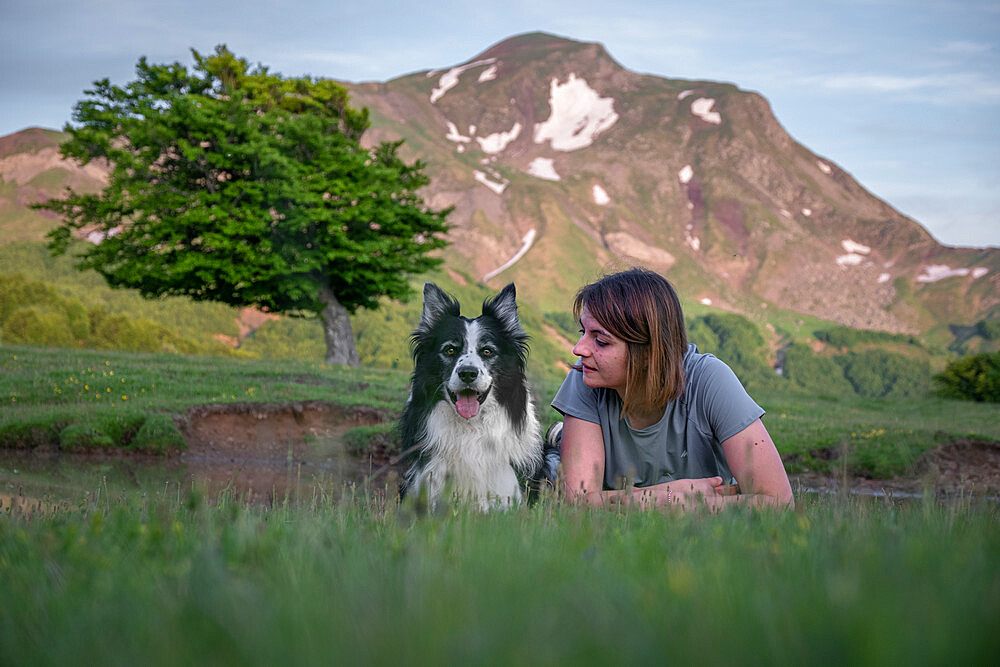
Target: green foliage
877,374
847,337
817,374
235,185
34,313
989,329
974,378
377,439
158,435
737,341
564,322
84,436
286,338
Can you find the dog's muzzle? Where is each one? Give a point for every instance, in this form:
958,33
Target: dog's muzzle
467,401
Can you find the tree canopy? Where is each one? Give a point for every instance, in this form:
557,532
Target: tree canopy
232,184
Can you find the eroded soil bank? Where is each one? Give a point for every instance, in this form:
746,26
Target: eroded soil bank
267,452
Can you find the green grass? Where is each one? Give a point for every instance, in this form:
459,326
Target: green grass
121,395
164,579
876,438
126,396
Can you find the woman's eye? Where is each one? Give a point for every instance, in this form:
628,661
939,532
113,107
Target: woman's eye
601,343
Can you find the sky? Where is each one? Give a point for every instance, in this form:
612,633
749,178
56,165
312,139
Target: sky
902,94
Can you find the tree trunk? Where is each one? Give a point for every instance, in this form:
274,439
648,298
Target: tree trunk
337,330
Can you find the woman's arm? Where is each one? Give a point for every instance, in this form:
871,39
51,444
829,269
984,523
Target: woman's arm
582,473
754,461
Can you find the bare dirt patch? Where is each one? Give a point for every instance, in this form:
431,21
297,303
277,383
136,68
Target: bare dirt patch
962,468
268,431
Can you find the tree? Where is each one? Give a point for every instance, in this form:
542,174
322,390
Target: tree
236,185
976,378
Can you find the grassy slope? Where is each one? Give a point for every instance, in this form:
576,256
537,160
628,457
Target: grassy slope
45,391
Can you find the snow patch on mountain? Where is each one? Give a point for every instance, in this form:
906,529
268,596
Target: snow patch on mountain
600,195
578,115
449,79
850,259
685,174
935,272
684,94
492,185
884,278
543,167
824,167
702,108
498,141
526,242
488,74
455,135
853,246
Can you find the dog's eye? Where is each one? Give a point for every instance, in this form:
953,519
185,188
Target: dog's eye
487,351
450,350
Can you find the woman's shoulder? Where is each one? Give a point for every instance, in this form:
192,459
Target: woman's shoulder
704,369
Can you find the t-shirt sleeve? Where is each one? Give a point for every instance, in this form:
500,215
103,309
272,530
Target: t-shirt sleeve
723,405
576,399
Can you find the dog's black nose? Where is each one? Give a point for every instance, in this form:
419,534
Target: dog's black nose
468,374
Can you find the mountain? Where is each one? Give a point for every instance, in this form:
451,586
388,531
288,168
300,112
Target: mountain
562,164
32,171
554,154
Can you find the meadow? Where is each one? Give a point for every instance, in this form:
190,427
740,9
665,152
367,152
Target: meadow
347,578
95,400
102,573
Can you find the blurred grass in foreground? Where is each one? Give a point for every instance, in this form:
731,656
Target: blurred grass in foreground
164,579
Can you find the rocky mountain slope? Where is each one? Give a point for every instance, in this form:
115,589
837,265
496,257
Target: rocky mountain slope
557,157
561,164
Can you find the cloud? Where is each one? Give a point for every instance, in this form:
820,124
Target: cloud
945,88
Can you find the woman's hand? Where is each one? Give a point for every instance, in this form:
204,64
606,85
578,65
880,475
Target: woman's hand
680,492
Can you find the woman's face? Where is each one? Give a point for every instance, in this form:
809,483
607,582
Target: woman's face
604,358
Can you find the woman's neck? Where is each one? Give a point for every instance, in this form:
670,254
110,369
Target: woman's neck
644,420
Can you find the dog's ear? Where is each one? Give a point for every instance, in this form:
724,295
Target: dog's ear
436,304
504,307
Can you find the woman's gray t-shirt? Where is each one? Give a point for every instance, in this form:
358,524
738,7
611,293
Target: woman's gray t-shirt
685,443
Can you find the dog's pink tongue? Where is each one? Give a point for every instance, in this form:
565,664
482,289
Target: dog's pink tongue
467,406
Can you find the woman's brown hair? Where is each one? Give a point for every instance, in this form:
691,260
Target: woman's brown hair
641,308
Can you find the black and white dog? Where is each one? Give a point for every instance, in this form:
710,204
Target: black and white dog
469,425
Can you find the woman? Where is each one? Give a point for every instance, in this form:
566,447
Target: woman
649,420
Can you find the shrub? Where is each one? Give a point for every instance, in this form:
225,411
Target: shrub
38,325
989,329
737,341
28,435
817,374
974,378
846,337
158,435
84,436
377,439
881,374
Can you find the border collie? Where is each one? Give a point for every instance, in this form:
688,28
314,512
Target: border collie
469,425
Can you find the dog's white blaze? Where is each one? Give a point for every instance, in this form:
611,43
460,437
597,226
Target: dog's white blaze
470,357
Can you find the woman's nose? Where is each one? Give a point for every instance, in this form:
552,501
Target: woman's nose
581,349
